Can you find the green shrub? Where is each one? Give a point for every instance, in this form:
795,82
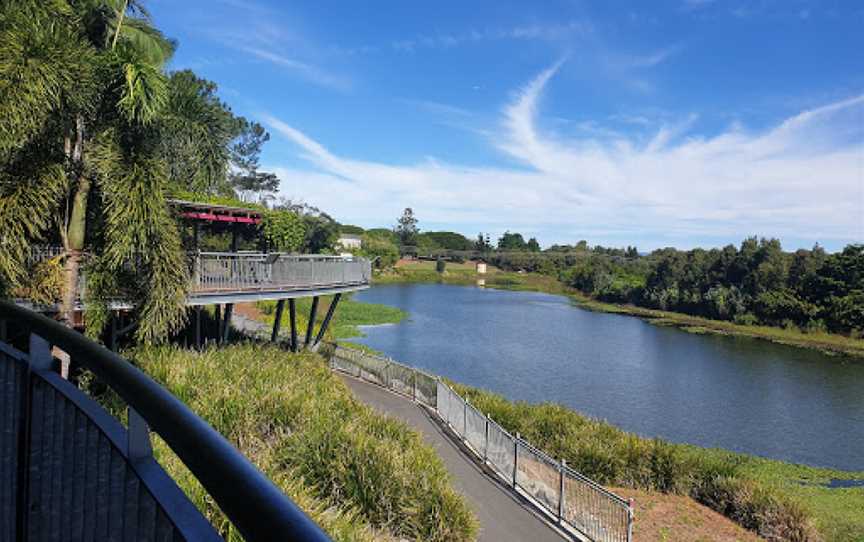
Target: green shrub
384,252
440,265
284,230
361,475
613,457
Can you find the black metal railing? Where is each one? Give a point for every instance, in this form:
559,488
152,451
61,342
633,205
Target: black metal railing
70,471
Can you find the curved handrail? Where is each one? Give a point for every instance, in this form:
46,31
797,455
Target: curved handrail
253,503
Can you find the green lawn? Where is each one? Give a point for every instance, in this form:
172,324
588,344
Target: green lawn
348,316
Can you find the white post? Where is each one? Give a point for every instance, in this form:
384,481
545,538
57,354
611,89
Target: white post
561,491
630,520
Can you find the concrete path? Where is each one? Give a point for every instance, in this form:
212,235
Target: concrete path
502,518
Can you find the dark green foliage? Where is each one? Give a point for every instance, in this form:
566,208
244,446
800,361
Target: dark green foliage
322,232
512,241
247,180
448,240
406,228
757,283
381,250
483,243
351,229
284,230
383,233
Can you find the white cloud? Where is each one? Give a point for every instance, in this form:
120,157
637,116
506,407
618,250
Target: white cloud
308,72
544,32
803,178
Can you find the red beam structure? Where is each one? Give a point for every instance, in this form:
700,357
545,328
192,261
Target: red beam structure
217,213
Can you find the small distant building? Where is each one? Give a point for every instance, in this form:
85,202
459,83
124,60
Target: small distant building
481,268
349,241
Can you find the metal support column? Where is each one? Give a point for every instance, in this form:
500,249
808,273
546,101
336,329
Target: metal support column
226,323
327,318
313,312
292,315
280,308
217,315
113,339
198,326
515,458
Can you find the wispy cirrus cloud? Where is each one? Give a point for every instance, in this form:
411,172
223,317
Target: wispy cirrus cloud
802,178
306,71
538,31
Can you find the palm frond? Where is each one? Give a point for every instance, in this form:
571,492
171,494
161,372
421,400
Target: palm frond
195,131
43,65
31,189
143,93
140,231
149,44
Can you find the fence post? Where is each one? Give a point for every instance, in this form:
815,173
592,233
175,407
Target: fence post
561,491
515,458
486,441
465,420
414,385
630,520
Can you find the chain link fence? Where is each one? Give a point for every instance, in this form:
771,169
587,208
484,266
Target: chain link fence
574,501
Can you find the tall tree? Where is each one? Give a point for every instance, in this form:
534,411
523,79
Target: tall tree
246,178
511,241
85,109
406,228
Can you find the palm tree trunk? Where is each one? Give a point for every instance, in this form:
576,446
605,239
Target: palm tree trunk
76,231
74,250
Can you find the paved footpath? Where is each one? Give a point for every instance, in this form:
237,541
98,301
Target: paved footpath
502,518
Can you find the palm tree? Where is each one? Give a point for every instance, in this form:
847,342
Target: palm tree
85,110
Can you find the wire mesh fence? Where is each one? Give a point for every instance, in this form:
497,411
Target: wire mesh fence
573,500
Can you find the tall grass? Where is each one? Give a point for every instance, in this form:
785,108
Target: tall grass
361,475
779,501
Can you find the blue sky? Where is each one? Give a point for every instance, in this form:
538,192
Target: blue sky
681,123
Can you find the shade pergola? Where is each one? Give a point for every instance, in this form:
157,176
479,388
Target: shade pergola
209,212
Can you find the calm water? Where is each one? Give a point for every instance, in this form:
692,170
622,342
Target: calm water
734,393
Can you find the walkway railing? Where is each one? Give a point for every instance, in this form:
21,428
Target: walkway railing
571,499
255,271
251,272
70,471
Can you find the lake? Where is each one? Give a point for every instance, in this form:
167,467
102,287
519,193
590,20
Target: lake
741,394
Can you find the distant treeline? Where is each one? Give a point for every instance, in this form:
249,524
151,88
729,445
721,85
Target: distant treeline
757,283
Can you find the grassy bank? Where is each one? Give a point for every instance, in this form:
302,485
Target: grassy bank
828,343
362,476
464,274
780,501
350,314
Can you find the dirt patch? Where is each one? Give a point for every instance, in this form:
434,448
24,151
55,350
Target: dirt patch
249,310
673,518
